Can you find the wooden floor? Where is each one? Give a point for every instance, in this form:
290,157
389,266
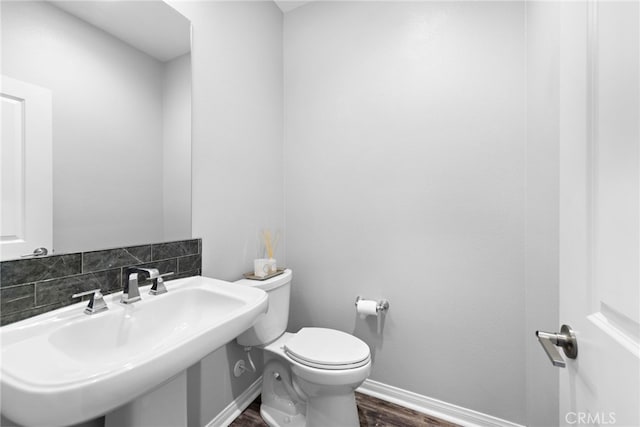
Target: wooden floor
372,412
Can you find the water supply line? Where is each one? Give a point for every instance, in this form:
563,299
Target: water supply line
251,364
241,367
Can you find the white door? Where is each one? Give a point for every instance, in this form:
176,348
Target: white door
600,211
25,168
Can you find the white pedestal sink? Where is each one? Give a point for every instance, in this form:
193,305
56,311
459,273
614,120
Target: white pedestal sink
64,367
165,405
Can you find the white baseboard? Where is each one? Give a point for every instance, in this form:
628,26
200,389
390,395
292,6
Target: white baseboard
436,408
426,405
235,408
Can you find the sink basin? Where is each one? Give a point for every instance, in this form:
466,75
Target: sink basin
64,367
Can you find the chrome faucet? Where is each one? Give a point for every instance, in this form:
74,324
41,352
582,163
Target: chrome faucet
130,291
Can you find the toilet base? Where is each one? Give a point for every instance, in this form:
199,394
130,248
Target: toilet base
337,410
322,411
276,418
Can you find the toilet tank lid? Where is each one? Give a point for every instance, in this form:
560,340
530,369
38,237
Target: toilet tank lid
267,285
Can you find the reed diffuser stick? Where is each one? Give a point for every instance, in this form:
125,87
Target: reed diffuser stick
266,236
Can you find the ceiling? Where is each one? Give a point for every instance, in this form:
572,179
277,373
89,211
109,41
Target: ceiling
289,5
163,33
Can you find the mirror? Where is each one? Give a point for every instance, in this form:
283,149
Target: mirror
119,74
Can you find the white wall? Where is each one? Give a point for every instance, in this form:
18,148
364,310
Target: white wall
176,148
542,238
237,160
107,119
405,179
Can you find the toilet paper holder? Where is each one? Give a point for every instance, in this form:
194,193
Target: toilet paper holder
381,305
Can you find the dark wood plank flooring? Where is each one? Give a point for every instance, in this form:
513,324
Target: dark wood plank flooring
372,412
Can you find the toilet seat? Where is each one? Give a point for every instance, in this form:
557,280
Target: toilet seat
327,349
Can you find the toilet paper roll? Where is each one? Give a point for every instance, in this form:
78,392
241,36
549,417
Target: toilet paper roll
367,307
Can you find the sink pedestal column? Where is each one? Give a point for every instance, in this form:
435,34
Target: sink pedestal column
165,405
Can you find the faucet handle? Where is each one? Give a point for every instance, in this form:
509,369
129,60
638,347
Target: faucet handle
96,303
158,287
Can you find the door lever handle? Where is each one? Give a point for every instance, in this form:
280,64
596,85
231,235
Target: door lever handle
566,339
36,253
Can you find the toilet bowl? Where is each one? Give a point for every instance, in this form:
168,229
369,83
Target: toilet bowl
310,376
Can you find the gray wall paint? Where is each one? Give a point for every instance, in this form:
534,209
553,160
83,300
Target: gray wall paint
405,179
237,130
176,148
107,100
542,239
237,160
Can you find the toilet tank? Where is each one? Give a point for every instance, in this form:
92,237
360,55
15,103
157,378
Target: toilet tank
273,323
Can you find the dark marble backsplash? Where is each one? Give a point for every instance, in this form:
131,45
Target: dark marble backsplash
32,286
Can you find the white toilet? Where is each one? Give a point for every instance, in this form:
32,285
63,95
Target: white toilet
310,376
